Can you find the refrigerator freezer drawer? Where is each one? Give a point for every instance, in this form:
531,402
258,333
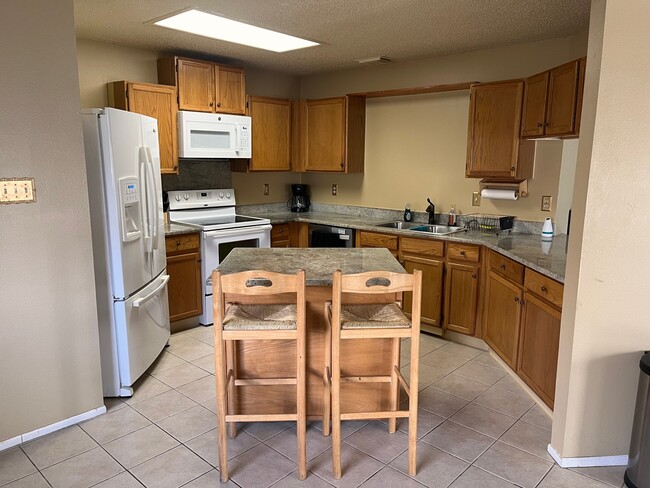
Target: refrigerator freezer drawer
142,330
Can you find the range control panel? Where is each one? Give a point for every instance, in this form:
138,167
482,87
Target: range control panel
184,199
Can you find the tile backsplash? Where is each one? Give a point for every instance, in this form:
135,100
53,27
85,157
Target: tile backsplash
199,175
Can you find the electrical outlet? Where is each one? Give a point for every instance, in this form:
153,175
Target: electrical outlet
335,189
266,188
546,203
476,199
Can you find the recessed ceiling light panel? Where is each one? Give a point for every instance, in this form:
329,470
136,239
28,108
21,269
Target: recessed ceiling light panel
215,27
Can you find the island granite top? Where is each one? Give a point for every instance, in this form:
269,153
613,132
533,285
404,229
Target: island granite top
319,263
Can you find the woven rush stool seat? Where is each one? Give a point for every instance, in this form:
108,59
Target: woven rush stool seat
266,321
368,316
380,321
261,317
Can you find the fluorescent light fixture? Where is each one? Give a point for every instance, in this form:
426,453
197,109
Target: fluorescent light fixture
215,27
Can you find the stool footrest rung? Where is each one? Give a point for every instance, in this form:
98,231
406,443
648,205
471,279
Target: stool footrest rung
402,380
258,335
365,379
375,333
277,417
388,414
265,381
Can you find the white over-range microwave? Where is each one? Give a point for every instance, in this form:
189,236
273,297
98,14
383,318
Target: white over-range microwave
213,136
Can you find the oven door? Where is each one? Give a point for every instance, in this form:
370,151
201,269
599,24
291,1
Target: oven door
215,246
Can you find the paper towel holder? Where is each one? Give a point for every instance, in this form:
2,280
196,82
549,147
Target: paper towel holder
519,186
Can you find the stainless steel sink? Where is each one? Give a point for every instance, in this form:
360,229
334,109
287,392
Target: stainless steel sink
398,224
437,229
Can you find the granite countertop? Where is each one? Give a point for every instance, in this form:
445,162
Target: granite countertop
319,264
173,228
548,258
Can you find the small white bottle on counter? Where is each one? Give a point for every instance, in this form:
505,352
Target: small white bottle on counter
547,230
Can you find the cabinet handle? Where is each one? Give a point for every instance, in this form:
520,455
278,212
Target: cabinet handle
219,104
211,104
175,167
523,303
544,289
462,253
539,124
341,165
503,266
473,275
516,299
512,168
178,243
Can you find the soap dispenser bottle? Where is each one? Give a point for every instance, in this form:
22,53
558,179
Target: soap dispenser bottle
452,216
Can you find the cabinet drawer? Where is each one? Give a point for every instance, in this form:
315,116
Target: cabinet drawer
180,243
507,267
372,239
423,246
280,232
463,252
544,287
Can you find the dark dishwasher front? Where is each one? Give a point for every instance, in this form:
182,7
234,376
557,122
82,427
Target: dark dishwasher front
327,236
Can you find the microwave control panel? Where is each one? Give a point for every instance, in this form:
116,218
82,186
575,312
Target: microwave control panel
244,136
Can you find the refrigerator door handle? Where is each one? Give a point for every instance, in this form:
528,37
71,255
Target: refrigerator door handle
149,195
140,301
146,214
154,193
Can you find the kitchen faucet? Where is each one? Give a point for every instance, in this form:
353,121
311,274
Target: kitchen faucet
431,210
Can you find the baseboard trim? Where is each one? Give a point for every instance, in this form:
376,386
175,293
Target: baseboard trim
19,439
587,462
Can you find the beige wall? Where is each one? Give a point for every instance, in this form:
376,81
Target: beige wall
49,349
416,145
604,321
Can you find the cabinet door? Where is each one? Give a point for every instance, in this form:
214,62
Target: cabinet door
538,347
461,296
562,99
493,135
185,297
195,85
325,135
159,102
432,272
231,90
280,235
534,109
502,317
271,134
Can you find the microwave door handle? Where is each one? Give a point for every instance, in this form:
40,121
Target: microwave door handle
236,145
151,186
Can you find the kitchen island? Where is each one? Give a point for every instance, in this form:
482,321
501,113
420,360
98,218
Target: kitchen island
277,358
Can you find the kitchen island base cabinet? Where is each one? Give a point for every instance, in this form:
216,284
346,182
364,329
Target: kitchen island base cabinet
538,347
503,317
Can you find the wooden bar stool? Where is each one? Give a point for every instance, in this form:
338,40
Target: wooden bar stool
376,321
263,321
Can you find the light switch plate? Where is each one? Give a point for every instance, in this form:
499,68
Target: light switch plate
476,199
546,203
266,188
17,190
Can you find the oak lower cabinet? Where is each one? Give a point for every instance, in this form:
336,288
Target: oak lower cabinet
333,134
280,236
184,270
540,335
494,149
462,277
204,86
504,295
376,239
429,257
157,101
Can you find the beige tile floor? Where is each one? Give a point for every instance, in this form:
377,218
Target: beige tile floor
477,428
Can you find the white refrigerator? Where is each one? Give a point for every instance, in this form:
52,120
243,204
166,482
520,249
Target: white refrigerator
125,195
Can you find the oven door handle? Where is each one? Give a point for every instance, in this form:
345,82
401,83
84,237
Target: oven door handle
238,231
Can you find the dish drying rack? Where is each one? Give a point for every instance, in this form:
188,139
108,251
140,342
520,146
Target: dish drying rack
488,224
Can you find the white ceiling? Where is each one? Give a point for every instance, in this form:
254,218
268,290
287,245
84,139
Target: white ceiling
347,29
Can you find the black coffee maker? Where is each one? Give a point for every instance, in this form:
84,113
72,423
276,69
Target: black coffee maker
299,198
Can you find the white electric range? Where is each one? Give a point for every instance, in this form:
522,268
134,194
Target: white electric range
222,230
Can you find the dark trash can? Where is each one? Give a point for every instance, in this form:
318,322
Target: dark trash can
637,474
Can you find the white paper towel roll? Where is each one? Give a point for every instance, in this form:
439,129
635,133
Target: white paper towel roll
499,194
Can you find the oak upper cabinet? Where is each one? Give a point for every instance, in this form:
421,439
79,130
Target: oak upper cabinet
503,301
427,256
184,269
333,134
494,149
157,101
553,101
271,122
204,86
462,276
540,335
